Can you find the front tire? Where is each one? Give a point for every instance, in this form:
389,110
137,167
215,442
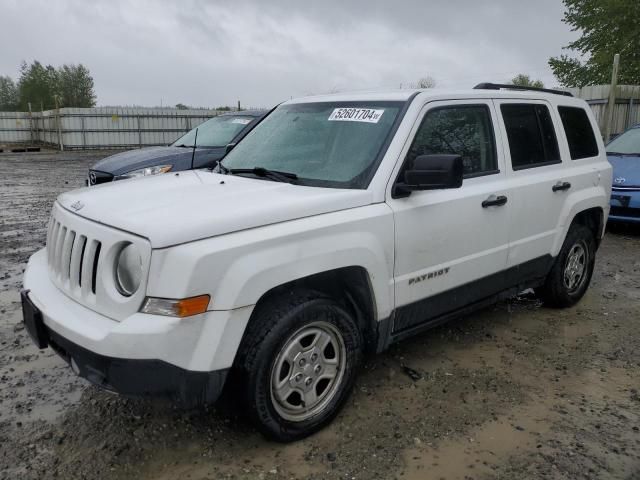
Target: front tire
572,270
297,363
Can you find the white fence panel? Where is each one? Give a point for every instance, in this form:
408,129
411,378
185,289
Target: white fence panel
100,128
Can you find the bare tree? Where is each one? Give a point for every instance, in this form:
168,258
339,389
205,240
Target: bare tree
426,82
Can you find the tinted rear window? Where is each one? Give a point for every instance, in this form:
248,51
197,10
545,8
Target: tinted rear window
582,141
532,139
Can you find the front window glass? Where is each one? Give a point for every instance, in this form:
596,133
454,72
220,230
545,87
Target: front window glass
215,132
628,143
464,130
324,144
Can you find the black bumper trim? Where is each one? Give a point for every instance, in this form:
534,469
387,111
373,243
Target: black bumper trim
141,378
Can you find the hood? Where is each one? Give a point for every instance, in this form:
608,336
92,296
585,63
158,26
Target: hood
179,157
177,208
626,169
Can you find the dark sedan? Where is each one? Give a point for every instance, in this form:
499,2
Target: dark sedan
624,155
213,137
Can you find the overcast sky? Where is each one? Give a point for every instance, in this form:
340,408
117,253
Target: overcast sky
210,53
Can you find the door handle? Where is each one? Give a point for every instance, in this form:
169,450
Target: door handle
494,201
561,186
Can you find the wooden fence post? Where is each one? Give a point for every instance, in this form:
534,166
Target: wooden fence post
612,98
30,125
84,132
56,99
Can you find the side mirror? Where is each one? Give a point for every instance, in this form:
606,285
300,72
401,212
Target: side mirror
432,172
229,147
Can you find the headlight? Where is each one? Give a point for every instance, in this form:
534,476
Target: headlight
128,270
143,172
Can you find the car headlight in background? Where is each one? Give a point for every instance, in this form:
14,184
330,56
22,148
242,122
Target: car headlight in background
128,270
145,172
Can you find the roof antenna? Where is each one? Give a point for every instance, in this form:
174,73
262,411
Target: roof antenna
193,153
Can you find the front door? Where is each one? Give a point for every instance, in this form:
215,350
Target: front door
452,245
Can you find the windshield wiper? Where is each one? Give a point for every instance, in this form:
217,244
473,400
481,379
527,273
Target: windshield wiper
182,145
277,175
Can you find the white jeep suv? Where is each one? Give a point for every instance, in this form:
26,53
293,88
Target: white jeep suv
339,225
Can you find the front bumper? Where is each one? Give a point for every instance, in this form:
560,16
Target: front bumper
143,355
140,378
625,206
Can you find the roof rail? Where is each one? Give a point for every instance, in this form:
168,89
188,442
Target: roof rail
498,86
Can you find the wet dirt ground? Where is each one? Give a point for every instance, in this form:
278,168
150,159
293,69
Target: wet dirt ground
516,391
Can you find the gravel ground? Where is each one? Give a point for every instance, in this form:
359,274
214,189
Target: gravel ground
515,391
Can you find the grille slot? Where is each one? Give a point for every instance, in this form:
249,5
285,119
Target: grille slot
76,261
62,231
67,249
94,273
88,262
51,244
73,259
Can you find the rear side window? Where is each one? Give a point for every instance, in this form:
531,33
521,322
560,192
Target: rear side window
532,139
464,130
582,141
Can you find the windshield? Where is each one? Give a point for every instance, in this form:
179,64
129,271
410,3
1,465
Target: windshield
627,143
215,132
325,144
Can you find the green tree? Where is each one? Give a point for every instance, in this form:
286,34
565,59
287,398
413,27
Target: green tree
38,84
9,99
523,80
75,86
607,27
182,106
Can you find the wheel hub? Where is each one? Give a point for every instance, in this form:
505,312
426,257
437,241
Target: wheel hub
307,371
575,267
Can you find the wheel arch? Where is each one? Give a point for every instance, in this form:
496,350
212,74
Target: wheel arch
351,286
593,219
586,208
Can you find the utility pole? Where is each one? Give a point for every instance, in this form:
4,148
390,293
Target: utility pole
238,105
612,98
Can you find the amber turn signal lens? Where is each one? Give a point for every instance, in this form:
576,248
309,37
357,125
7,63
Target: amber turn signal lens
185,307
192,306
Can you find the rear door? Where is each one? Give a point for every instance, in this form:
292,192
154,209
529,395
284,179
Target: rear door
540,181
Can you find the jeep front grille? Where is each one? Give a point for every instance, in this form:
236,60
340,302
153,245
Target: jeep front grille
81,256
73,259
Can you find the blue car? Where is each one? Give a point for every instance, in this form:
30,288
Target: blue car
624,155
215,136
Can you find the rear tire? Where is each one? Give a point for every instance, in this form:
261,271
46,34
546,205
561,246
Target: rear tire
297,363
571,272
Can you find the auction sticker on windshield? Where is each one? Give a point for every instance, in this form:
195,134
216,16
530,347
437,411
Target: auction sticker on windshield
367,115
243,121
